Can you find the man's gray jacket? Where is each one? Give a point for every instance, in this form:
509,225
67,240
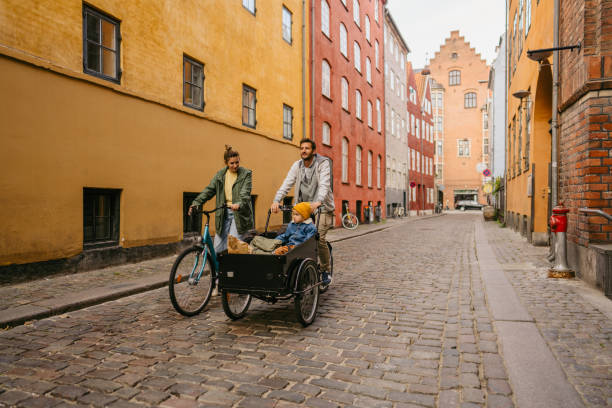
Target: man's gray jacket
324,193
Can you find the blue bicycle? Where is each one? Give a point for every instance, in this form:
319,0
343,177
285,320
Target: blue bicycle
194,275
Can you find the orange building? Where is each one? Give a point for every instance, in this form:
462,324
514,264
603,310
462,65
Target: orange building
464,75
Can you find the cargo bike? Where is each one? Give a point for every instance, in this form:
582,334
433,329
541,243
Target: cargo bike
242,277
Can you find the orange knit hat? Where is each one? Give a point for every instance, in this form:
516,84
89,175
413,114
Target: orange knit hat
303,209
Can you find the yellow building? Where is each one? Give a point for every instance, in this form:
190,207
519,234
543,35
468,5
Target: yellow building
528,141
114,114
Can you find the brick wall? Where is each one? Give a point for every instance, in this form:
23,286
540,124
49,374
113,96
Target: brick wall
585,138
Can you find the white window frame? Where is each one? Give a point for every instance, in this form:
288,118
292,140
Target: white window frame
343,40
368,65
357,104
326,134
367,28
344,174
357,55
369,168
358,153
287,29
249,5
356,12
378,116
378,172
369,108
326,79
464,147
325,18
376,58
376,11
344,86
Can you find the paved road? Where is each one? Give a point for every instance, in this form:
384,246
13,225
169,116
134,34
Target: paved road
405,324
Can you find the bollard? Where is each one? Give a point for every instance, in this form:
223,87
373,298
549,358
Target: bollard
558,226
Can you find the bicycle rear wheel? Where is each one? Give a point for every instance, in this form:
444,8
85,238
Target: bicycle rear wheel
349,221
188,294
235,305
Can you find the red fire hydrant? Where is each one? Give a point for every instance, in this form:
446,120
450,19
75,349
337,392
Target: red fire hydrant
558,226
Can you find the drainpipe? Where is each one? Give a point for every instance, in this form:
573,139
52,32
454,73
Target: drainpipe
506,135
312,71
555,113
304,68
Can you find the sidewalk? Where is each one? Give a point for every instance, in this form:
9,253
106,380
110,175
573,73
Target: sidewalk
51,296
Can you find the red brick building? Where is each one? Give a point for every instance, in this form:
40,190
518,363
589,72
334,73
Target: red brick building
347,96
585,134
420,142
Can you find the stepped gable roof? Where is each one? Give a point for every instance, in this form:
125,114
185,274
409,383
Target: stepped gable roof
454,37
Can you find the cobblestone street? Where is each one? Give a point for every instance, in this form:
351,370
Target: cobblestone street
405,324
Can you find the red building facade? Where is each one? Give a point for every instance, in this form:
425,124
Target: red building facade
420,143
347,95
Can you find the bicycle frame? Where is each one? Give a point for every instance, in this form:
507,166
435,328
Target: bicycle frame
208,246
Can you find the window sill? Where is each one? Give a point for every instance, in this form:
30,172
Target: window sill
89,246
249,126
346,110
327,97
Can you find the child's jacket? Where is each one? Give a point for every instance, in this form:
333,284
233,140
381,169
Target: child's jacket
298,233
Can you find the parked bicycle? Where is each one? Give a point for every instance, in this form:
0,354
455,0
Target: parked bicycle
349,220
194,274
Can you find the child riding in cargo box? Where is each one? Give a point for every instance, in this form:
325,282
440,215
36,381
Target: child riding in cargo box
299,229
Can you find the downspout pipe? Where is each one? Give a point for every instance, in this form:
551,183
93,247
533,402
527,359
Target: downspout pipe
506,134
304,68
312,70
555,112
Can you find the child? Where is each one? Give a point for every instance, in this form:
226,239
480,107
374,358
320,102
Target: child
299,230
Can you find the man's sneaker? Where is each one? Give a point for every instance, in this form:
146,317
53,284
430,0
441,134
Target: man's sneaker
326,278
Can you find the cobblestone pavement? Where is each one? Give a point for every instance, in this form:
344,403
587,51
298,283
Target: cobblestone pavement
404,325
36,293
579,335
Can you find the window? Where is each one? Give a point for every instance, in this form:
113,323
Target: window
287,17
463,148
454,55
357,55
358,165
376,53
100,217
413,157
527,17
367,28
418,160
343,2
193,79
356,12
418,133
369,168
392,81
344,160
376,11
440,148
343,41
325,17
326,134
378,116
192,225
368,70
345,89
358,104
101,45
454,77
469,100
439,124
249,5
287,122
369,114
249,102
412,125
325,79
527,133
485,147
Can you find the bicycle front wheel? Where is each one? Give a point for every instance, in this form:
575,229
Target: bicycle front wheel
350,221
191,281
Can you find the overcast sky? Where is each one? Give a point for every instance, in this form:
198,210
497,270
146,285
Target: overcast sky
425,24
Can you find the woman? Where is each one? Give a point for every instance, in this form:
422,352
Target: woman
232,186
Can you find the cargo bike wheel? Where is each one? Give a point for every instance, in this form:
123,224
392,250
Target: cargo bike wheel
191,281
235,305
307,292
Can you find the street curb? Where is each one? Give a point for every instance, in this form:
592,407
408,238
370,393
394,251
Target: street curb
20,315
53,307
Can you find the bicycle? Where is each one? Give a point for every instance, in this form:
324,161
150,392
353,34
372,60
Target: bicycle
349,220
194,275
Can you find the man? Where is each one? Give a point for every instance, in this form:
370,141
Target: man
311,176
